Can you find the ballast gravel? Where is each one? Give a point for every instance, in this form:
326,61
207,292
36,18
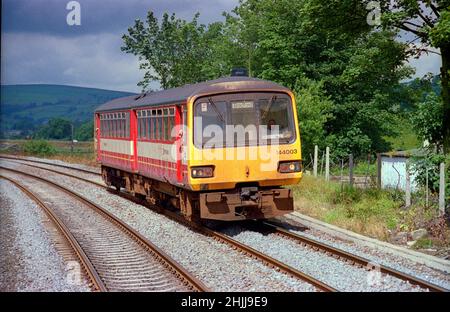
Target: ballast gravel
116,204
218,266
29,260
334,272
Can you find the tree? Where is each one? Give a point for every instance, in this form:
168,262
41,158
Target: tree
57,129
85,132
429,22
330,42
324,50
314,111
170,52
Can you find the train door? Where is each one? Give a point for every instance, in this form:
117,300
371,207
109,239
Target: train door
97,133
181,122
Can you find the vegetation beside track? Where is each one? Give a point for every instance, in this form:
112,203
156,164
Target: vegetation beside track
83,152
373,212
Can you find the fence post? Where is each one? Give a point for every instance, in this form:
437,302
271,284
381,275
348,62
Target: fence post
350,169
327,164
407,186
71,138
322,163
367,171
426,188
378,170
442,189
316,152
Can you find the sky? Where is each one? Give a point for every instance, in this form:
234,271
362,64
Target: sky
38,46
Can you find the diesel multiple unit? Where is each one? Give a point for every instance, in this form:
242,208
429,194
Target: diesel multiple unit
221,149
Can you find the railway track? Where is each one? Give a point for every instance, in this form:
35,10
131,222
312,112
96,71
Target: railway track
50,164
114,256
278,230
346,256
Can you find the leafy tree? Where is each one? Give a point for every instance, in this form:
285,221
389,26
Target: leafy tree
314,110
170,52
429,22
57,129
428,119
85,132
325,50
330,41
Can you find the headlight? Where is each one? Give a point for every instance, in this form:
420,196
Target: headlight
202,172
290,166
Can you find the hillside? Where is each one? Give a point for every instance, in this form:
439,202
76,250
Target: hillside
25,107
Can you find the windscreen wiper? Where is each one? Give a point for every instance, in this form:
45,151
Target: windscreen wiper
269,107
216,109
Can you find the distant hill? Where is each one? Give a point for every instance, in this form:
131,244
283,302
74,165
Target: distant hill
25,107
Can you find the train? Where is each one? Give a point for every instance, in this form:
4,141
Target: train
223,149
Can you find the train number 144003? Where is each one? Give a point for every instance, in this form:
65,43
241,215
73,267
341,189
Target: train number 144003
288,152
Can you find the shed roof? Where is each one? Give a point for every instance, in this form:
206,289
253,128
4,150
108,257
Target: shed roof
181,94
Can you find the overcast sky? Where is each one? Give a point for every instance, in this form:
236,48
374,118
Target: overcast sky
39,47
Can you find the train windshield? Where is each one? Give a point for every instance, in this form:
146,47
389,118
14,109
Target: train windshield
245,119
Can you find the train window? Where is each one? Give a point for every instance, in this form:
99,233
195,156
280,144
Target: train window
276,114
213,115
164,129
148,127
144,127
127,125
138,128
161,128
144,113
153,112
153,129
243,113
172,111
166,112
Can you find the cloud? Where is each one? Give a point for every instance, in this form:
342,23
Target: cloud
49,16
39,47
426,63
89,60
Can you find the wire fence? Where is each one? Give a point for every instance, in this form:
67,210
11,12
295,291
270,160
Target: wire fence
388,171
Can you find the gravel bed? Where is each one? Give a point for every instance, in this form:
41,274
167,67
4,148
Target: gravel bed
385,258
80,174
334,272
218,266
29,260
60,162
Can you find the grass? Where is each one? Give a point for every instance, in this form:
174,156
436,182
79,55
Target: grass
361,168
372,212
83,152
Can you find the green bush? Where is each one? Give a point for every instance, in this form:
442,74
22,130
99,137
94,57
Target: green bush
39,147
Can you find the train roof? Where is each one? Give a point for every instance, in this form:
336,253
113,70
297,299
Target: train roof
182,94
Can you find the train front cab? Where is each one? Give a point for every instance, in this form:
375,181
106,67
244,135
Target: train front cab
244,179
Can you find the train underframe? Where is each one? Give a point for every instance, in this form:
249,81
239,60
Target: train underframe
246,202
